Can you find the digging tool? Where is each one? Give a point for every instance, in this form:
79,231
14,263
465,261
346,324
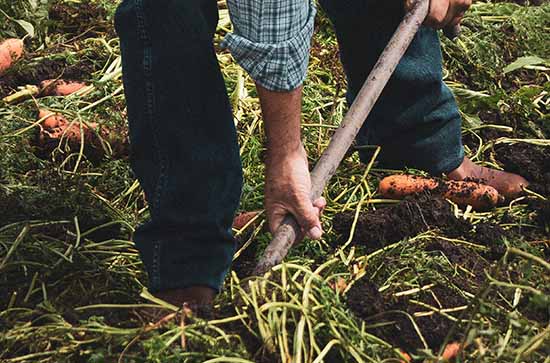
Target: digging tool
286,234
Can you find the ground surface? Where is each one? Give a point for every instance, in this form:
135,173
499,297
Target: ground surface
387,277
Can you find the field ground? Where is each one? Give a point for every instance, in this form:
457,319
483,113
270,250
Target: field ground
387,277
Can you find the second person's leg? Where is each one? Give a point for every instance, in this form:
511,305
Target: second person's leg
416,119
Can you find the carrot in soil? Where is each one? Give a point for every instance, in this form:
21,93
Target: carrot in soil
242,219
407,358
56,126
451,351
10,51
60,87
479,196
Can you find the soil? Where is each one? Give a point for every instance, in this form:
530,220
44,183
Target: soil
244,265
85,20
27,73
435,327
530,161
492,236
368,304
414,215
542,210
467,259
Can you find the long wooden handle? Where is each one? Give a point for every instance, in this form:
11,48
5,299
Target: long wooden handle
286,234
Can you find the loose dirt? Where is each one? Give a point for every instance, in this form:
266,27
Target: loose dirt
31,73
85,21
414,215
367,303
246,262
530,161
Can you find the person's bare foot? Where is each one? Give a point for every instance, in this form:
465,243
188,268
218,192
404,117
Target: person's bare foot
507,184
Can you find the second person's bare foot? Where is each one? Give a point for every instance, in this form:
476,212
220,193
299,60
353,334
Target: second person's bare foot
507,184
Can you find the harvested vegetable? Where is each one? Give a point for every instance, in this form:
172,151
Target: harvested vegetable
407,358
479,196
10,51
60,87
451,351
55,128
242,219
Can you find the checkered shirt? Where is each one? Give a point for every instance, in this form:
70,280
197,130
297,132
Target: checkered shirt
271,40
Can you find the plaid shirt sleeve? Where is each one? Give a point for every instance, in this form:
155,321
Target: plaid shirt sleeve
271,40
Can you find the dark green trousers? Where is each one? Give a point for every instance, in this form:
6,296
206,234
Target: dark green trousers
183,143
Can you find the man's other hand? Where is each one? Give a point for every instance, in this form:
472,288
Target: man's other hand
444,13
287,191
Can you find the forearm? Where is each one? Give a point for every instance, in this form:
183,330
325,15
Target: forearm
288,184
282,114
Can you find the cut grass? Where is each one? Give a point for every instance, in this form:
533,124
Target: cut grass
71,280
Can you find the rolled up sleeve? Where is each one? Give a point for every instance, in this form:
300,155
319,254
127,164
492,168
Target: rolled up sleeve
271,40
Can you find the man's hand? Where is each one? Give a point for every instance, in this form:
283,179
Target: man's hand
444,13
287,191
288,184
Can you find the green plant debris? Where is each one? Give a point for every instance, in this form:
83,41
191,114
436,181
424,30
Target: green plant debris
72,283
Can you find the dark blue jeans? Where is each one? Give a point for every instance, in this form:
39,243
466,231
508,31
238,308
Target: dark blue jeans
184,147
183,143
416,119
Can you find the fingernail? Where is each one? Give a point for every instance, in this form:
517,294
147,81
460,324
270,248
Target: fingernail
315,233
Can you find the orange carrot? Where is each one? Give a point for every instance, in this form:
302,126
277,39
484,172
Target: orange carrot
10,51
400,186
407,358
451,351
56,126
242,219
479,196
51,120
60,87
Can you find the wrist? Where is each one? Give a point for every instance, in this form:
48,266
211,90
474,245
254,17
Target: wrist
277,153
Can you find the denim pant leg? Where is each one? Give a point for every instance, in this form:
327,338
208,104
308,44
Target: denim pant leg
184,147
416,119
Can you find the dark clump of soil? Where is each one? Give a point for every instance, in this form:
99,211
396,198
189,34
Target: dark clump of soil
492,236
414,215
85,20
33,74
536,308
530,161
246,262
542,210
467,259
368,304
